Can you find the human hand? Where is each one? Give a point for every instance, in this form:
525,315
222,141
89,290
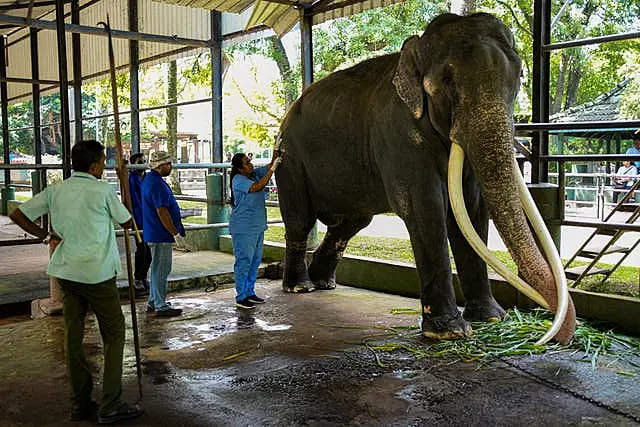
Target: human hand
180,240
275,164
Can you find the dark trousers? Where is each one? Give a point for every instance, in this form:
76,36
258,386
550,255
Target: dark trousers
142,260
105,301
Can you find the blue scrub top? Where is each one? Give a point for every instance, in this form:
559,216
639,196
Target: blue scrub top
135,192
249,214
155,194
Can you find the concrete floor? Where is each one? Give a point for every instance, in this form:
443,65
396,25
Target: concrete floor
299,360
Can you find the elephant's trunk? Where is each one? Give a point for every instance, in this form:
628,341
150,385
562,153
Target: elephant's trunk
490,152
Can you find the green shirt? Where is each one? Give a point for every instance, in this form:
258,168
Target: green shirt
81,210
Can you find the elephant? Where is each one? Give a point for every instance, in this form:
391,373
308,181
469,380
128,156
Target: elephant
378,137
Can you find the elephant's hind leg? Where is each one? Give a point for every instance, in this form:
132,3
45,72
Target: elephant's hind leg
299,220
322,270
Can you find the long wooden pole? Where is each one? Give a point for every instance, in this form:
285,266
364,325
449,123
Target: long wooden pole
126,199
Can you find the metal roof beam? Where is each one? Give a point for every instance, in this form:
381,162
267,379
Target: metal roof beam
591,40
29,5
99,31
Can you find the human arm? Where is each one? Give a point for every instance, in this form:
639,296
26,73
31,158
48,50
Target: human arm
271,168
165,219
31,227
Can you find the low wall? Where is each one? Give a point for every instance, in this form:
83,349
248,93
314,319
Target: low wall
402,279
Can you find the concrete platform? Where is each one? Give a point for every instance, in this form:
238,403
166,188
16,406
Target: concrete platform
299,360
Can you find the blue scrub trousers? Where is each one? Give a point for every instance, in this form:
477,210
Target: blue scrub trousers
247,249
161,260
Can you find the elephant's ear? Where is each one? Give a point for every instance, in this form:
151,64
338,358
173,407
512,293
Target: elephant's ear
408,76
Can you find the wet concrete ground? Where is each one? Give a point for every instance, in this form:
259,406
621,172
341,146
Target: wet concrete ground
298,361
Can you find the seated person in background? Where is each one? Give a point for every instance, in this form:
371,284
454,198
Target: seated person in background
624,179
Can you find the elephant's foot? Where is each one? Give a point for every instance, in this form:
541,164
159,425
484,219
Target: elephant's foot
295,279
298,288
484,312
448,327
322,270
322,276
324,285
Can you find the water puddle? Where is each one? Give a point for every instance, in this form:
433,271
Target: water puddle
197,334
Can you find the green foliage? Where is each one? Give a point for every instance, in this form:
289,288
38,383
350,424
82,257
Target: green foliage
346,41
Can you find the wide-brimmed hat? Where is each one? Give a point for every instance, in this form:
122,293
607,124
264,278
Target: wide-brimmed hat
159,158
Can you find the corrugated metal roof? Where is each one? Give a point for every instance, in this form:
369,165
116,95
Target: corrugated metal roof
188,19
153,18
283,15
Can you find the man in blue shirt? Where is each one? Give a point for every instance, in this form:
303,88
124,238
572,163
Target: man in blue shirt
85,261
143,252
635,149
162,227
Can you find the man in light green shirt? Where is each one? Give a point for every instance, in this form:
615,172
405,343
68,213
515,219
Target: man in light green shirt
86,262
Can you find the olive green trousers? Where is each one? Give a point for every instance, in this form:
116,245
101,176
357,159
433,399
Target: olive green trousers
105,301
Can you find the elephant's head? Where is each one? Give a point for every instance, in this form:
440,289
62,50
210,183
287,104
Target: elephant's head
463,75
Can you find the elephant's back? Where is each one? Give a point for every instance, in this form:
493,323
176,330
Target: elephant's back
345,91
326,135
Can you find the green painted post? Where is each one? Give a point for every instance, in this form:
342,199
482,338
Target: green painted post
546,197
217,211
36,182
7,193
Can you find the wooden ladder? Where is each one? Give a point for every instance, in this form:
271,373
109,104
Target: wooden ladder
595,251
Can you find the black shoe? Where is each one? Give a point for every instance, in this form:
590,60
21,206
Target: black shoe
169,312
151,308
146,284
121,413
245,303
84,412
256,299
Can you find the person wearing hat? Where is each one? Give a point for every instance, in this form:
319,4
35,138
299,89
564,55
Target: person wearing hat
162,227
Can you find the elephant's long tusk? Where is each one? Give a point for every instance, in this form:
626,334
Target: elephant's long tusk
551,254
456,161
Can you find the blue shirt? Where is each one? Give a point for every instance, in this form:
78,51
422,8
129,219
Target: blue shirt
135,192
248,214
156,194
82,210
634,150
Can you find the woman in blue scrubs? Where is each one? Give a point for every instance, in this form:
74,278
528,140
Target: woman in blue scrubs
247,223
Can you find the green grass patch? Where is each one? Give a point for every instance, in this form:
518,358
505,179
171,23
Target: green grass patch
624,281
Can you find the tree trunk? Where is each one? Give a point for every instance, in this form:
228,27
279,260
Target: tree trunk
463,7
556,104
573,81
172,123
279,55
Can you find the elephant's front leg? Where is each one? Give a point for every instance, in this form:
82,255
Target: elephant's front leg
340,230
472,270
441,318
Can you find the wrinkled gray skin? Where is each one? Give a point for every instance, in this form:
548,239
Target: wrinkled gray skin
376,138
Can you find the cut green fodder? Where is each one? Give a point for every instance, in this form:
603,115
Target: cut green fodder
512,337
